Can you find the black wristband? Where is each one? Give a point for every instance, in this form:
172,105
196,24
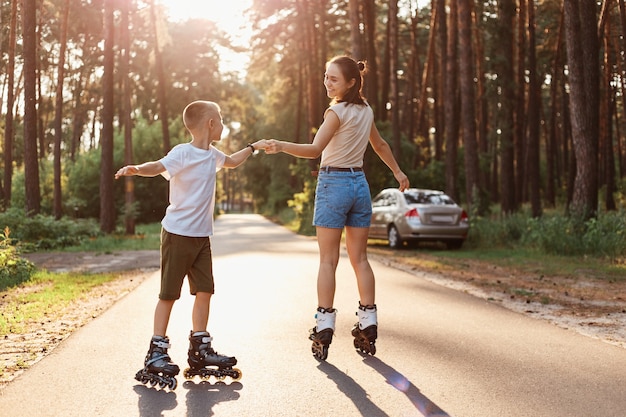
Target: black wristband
251,147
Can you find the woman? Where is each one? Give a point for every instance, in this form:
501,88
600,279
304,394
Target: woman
342,198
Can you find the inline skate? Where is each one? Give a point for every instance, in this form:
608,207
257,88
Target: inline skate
206,362
365,331
322,333
158,367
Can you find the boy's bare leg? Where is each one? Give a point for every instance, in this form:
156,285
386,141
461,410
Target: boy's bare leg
162,316
200,312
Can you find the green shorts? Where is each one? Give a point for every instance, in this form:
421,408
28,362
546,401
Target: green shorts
185,256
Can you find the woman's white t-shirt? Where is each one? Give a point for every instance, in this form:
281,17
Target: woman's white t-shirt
191,172
348,145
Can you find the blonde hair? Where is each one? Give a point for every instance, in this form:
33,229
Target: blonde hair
199,112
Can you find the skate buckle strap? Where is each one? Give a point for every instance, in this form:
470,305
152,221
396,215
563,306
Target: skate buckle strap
207,339
161,344
157,358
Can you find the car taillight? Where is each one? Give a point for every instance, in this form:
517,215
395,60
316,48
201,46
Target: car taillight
464,217
412,214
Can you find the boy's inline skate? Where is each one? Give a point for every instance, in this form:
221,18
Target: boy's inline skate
322,333
365,331
206,362
158,367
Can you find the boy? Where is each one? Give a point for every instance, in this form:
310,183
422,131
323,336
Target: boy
185,240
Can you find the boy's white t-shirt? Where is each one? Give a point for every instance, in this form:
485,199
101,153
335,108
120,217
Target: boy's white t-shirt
191,172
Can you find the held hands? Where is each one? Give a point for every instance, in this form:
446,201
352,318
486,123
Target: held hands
270,146
260,144
273,146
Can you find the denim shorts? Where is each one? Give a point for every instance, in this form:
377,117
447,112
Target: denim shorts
342,199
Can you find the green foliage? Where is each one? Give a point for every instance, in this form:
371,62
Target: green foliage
556,234
303,205
42,232
13,269
84,185
146,237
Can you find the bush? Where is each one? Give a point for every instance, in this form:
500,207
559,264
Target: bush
41,232
13,269
555,234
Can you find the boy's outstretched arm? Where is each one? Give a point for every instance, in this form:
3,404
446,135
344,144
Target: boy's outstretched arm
239,157
147,169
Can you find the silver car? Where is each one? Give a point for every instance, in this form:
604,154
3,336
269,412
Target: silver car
418,215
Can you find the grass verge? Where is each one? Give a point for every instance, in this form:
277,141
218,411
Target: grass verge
43,297
523,260
146,237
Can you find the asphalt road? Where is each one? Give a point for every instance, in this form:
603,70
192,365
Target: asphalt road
440,352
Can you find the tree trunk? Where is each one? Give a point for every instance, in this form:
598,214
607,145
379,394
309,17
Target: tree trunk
371,85
355,30
129,182
423,146
107,203
442,44
451,105
161,83
534,116
552,149
8,130
58,114
31,161
622,75
520,110
606,117
409,115
482,108
468,105
506,83
394,95
582,57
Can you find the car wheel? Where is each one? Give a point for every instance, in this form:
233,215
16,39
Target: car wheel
395,241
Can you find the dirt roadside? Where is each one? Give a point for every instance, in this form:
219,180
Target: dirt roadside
18,352
594,308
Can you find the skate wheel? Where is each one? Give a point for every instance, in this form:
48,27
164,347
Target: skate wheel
173,384
324,353
163,384
321,352
237,374
372,348
187,374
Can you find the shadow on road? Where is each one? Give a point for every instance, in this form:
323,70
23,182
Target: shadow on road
402,384
152,402
200,398
352,390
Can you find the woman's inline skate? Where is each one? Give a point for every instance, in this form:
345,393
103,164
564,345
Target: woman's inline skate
158,367
365,331
322,333
206,362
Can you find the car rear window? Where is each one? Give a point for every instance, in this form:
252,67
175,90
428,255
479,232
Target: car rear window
422,198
